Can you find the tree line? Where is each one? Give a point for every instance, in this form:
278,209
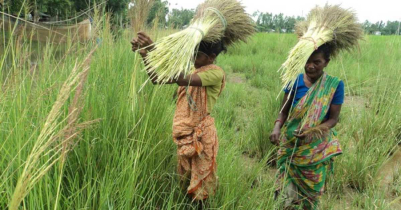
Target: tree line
176,18
388,28
268,22
57,8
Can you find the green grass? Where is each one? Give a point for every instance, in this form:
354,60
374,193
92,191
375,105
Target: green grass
127,160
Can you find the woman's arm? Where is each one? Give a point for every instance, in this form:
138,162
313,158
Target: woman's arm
334,116
281,119
335,109
189,80
285,106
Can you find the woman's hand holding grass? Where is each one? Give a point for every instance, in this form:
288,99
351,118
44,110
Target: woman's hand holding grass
143,43
300,133
275,135
136,46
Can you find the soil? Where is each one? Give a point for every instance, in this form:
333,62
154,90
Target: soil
236,78
390,170
356,103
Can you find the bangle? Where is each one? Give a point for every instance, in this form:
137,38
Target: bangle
278,121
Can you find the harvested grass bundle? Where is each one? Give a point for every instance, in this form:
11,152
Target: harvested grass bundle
214,20
332,25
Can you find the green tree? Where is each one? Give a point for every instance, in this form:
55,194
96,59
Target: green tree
367,27
278,22
116,6
267,22
55,7
391,28
290,24
378,26
179,18
159,10
12,6
62,8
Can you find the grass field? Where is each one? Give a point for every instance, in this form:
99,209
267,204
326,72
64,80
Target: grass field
125,157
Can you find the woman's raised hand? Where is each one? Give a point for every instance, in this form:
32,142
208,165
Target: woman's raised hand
143,43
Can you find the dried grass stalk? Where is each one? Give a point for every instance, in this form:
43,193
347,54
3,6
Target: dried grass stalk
333,25
215,20
50,146
139,13
76,107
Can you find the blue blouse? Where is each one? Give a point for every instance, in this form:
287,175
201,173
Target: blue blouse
300,91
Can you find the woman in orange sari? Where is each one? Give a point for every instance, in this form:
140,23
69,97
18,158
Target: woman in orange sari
194,131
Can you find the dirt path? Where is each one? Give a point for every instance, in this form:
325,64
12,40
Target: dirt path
236,78
390,169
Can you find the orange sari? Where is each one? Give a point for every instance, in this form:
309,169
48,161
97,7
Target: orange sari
195,134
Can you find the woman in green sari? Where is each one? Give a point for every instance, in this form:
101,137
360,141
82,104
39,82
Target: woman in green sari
304,132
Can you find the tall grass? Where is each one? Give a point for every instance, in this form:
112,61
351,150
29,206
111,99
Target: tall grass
139,12
370,124
127,160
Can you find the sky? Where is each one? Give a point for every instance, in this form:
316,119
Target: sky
366,9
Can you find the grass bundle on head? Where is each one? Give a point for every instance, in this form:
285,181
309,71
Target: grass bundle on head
331,25
214,21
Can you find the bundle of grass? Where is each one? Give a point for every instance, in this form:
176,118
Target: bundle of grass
214,20
330,25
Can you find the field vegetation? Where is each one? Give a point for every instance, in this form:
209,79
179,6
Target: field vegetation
78,130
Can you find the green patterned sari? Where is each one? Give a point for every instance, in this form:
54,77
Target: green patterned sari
306,162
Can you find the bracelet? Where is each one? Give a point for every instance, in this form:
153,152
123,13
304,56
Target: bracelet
278,121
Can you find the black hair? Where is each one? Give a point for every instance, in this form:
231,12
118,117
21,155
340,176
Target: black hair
212,48
326,49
